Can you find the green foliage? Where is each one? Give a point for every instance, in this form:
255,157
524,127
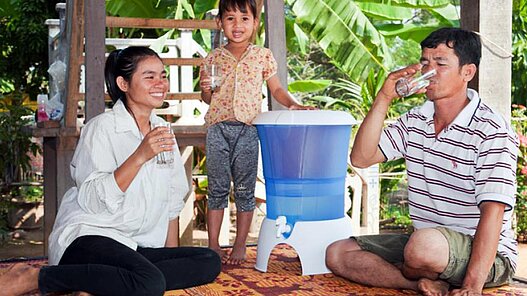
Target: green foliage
15,141
355,34
344,33
519,51
520,124
308,85
399,214
24,50
30,193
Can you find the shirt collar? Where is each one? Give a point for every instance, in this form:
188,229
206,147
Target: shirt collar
225,51
125,122
464,117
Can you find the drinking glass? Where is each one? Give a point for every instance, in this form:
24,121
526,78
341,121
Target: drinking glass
408,86
165,158
214,72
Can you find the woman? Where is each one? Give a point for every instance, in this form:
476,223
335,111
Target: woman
116,230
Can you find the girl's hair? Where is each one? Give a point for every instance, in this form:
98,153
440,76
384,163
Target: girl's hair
241,5
123,62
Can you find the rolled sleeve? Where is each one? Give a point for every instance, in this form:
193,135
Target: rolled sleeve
393,141
100,193
496,168
270,65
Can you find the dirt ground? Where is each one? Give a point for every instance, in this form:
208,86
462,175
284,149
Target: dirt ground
30,244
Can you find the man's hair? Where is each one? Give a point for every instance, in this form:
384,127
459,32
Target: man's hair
466,44
241,5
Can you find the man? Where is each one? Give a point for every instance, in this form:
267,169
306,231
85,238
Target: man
461,162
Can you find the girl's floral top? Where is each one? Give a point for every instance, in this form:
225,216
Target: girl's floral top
240,95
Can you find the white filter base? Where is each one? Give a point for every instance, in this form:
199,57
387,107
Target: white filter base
309,238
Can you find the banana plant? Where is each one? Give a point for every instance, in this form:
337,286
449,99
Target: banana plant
353,33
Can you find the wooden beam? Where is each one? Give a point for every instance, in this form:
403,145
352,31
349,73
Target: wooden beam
196,62
275,40
470,17
190,135
175,96
95,29
157,23
75,37
58,152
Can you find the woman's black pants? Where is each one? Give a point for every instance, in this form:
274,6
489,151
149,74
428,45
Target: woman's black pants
102,266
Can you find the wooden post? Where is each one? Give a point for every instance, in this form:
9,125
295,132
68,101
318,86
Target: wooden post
58,152
95,19
58,149
74,39
493,20
275,40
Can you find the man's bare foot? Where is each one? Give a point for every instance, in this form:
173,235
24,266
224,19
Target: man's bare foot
237,255
432,288
20,279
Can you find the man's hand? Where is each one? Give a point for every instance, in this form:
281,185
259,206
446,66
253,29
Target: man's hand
388,88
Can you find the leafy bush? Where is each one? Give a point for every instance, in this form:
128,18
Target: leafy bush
15,142
519,114
24,46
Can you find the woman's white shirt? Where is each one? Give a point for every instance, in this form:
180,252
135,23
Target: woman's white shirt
97,206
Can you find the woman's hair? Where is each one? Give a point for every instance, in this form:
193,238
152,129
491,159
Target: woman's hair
241,5
123,62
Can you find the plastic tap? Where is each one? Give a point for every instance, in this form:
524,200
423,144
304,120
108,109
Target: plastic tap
282,226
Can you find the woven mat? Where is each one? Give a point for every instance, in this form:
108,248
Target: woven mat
283,277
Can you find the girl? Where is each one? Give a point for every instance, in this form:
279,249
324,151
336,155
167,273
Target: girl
232,142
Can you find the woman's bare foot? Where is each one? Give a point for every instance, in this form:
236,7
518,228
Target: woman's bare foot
20,279
81,293
432,288
237,255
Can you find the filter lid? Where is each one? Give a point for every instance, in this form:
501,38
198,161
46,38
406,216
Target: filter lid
304,117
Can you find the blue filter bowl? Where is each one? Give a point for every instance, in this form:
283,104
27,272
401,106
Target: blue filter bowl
305,170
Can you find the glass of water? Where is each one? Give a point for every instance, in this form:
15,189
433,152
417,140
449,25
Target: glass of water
165,158
214,72
408,86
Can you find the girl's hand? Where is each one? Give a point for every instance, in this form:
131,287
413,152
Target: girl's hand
301,107
157,140
204,82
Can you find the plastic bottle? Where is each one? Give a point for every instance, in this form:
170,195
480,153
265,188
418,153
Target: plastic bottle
42,115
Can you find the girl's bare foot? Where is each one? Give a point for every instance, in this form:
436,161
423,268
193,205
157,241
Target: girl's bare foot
432,288
222,253
237,255
20,279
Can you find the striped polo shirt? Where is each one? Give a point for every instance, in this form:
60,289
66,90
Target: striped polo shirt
470,161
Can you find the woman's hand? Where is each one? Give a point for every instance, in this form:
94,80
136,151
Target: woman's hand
157,140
